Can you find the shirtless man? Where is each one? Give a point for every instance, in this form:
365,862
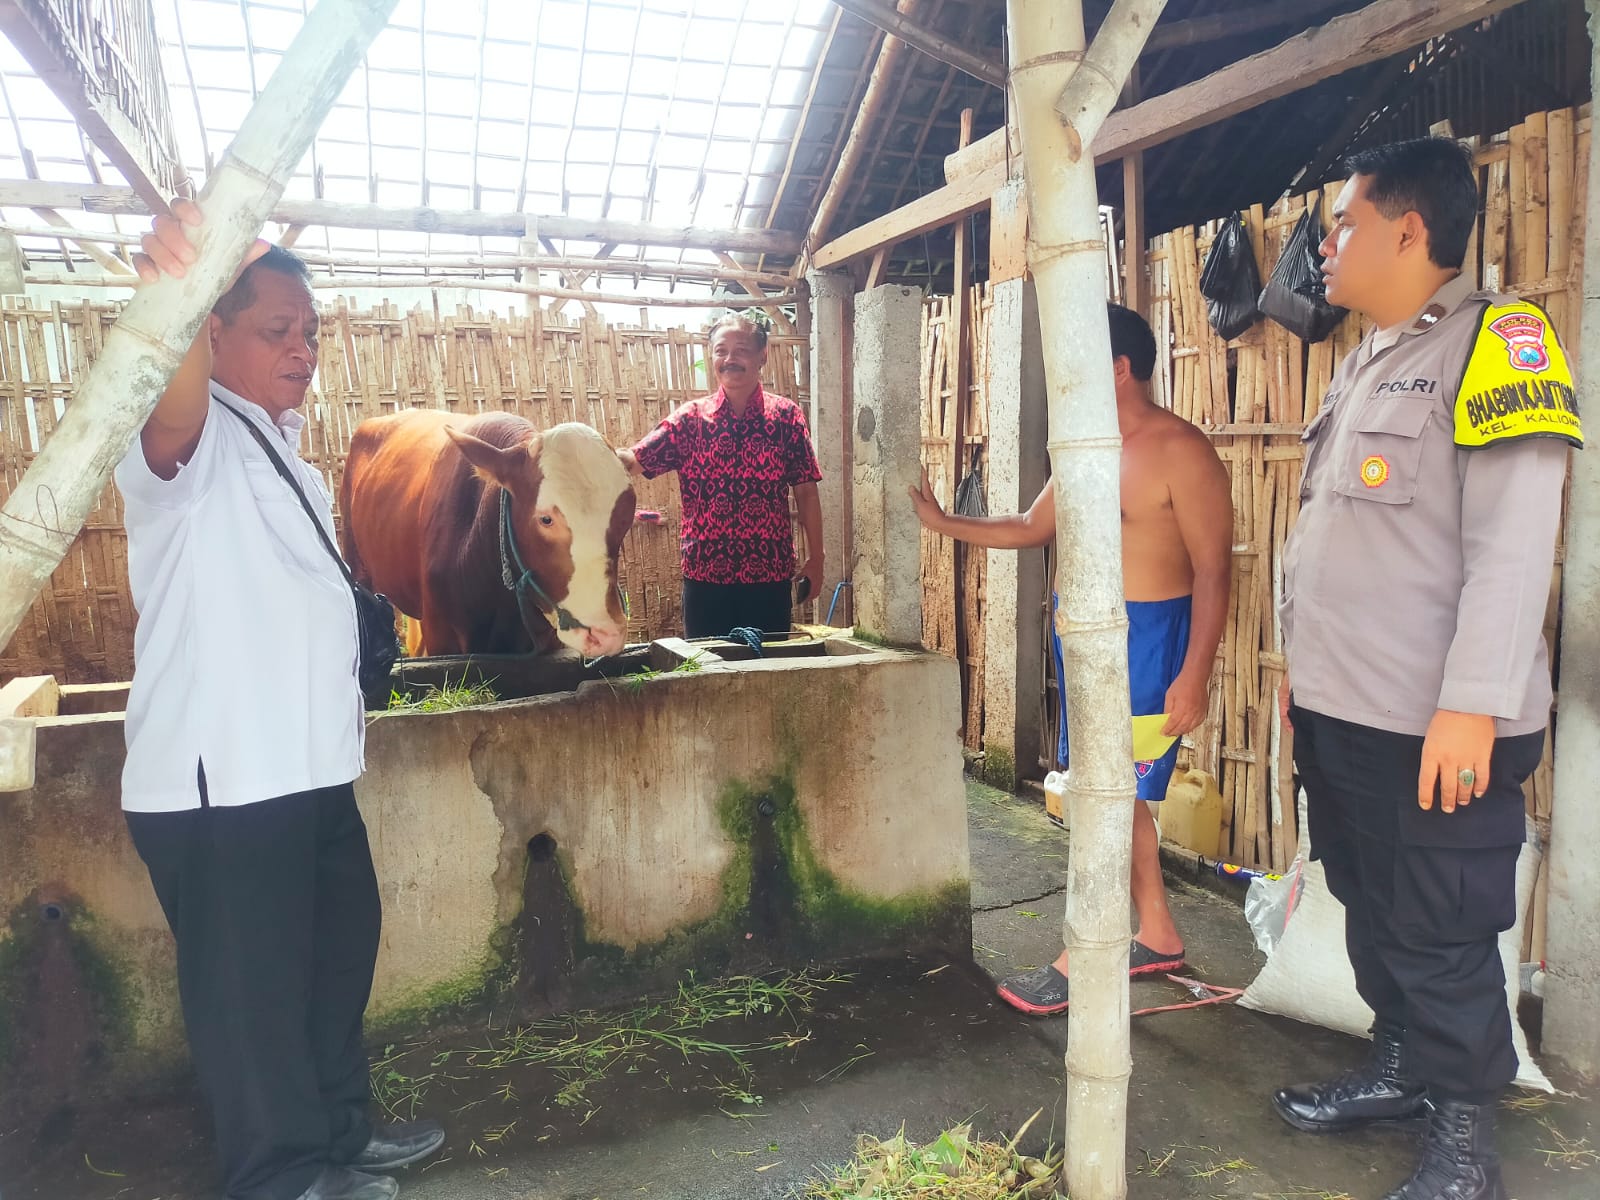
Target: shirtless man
1177,536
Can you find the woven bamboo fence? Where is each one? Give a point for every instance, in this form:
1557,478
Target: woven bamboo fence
1254,396
621,380
952,575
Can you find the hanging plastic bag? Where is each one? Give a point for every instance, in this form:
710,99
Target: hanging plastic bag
1270,902
969,492
1230,281
1295,296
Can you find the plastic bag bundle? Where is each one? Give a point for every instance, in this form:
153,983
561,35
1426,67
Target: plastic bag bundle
1269,903
1230,281
969,492
1295,296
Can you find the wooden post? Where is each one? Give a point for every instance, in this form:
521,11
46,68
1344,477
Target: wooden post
1059,110
960,318
47,508
1137,295
871,101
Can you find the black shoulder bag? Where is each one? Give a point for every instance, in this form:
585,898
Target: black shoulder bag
379,647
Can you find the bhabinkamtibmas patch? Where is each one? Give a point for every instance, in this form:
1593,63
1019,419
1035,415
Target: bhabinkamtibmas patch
1517,383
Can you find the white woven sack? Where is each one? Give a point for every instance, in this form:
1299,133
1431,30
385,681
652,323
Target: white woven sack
1309,977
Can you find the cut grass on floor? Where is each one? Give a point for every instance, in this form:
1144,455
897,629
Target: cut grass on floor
954,1166
581,1049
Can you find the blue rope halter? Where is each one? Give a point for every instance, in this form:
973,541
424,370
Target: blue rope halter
521,583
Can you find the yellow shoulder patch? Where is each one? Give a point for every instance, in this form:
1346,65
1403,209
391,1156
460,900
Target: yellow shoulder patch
1517,383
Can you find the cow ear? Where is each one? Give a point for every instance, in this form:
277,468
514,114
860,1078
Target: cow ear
506,466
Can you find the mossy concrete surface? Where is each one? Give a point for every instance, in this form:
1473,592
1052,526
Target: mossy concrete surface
769,812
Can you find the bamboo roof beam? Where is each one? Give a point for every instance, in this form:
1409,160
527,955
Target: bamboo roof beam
55,221
622,109
152,168
527,116
635,268
768,304
30,193
347,282
1370,34
855,145
44,512
800,123
1192,32
896,23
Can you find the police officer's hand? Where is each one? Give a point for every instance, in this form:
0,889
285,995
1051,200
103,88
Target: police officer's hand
1283,699
929,510
1186,703
1455,742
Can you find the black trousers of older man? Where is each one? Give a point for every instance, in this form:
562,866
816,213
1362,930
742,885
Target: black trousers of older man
1426,893
275,910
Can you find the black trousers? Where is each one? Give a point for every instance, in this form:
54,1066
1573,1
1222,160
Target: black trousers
712,609
275,910
1426,894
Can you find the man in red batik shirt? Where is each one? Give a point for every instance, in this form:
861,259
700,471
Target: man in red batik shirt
737,454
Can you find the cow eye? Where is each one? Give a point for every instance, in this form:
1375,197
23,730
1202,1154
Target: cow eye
547,520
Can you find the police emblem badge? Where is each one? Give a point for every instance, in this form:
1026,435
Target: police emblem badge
1374,470
1523,334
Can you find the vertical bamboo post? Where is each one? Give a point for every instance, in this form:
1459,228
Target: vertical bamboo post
46,510
1060,110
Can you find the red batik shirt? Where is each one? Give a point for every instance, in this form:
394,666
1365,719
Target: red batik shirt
734,475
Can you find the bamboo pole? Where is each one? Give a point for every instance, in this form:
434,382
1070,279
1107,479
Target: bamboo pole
47,508
1059,112
498,284
1572,1005
855,145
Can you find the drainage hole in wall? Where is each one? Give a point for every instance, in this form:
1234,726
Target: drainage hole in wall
541,848
51,912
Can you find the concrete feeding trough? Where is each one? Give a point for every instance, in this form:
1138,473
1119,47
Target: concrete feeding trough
586,838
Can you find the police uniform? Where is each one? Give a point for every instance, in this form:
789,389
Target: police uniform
1416,580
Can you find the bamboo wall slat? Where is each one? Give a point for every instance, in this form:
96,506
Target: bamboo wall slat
1254,396
953,577
622,380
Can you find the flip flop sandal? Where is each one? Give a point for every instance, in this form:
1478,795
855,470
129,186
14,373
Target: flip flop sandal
1039,993
1144,961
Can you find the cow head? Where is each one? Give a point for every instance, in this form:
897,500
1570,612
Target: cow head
570,504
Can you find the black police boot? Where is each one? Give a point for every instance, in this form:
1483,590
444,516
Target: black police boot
1458,1159
1379,1092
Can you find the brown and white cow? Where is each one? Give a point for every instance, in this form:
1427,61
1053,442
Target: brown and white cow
428,500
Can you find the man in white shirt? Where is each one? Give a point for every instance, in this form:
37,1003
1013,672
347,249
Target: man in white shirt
244,732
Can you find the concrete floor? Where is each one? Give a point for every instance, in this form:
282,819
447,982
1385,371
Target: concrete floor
895,1046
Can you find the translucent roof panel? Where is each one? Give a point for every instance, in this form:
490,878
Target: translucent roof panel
673,112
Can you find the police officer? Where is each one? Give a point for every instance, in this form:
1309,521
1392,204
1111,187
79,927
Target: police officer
1413,607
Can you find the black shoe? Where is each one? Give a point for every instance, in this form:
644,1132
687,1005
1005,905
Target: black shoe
394,1146
341,1183
1458,1159
1378,1093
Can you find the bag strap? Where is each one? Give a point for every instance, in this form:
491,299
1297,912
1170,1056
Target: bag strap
294,485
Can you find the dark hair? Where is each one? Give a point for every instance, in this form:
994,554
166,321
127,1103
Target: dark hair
1131,339
1433,177
243,293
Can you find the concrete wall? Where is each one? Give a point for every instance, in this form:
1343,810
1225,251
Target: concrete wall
886,389
816,804
1018,467
832,315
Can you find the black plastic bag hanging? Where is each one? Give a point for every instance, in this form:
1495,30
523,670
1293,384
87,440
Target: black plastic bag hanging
1230,281
1295,296
969,492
